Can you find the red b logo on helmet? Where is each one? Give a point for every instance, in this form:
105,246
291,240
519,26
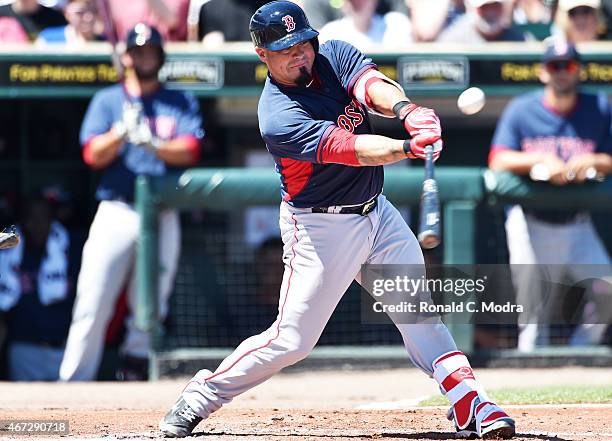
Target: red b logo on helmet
289,23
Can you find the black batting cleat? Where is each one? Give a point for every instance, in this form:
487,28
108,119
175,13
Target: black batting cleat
180,421
502,428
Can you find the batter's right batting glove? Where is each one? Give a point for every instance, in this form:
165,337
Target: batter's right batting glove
423,125
415,147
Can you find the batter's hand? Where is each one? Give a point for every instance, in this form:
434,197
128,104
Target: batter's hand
418,120
415,147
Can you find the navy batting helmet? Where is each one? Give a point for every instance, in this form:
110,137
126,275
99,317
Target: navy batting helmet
279,25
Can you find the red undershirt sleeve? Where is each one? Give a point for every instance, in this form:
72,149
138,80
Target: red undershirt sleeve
339,148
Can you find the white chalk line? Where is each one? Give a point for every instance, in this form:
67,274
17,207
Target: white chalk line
559,434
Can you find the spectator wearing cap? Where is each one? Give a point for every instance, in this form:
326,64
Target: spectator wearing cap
82,16
31,17
484,21
578,20
562,136
365,28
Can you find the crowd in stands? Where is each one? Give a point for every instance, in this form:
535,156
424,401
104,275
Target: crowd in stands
392,24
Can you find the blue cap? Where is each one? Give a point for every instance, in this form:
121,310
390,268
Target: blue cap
143,34
279,25
560,50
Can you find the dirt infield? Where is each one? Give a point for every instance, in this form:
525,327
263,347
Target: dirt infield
550,423
311,406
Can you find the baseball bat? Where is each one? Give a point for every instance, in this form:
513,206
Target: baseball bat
429,221
111,34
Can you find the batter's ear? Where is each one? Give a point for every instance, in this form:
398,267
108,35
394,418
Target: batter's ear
261,53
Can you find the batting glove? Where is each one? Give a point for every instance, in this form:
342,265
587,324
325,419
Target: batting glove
416,119
415,147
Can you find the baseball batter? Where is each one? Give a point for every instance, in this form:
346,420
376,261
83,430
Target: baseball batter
333,216
134,128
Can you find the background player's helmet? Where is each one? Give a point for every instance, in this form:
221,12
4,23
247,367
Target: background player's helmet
279,25
143,34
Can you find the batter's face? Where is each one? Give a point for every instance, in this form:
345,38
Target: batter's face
291,66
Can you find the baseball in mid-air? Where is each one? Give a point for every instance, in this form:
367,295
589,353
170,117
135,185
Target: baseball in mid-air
471,100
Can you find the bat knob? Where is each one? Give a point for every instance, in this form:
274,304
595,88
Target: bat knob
428,240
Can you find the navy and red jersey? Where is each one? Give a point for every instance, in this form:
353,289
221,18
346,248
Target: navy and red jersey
528,124
304,129
171,114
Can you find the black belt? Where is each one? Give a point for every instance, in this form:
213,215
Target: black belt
362,209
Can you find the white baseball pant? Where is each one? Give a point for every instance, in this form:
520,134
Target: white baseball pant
323,254
565,248
107,265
